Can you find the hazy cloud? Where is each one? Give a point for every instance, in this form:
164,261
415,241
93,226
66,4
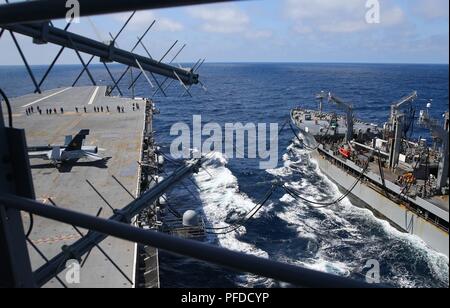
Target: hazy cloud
273,30
225,19
145,18
261,34
346,16
432,9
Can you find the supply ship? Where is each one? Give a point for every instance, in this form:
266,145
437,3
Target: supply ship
402,180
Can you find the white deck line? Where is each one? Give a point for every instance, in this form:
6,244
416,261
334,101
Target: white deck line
44,98
91,101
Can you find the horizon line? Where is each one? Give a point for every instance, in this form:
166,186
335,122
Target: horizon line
260,62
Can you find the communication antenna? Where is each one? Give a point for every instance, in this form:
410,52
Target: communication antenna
162,58
116,83
171,61
195,69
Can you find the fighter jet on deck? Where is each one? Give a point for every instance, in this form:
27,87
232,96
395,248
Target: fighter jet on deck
72,150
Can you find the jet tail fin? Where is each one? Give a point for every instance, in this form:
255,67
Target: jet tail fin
68,140
77,141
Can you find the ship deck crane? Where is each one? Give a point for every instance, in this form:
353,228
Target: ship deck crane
440,132
395,108
396,124
349,111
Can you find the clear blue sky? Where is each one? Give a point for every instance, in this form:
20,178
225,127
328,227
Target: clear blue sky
410,31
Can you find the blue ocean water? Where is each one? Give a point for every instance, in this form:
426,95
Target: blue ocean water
338,240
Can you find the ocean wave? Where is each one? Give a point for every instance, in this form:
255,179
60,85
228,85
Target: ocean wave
337,240
222,204
348,235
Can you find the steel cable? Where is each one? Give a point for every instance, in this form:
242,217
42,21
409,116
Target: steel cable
243,221
296,194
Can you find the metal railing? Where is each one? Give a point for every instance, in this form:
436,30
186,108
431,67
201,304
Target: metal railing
238,261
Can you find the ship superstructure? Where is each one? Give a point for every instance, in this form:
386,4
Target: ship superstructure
402,179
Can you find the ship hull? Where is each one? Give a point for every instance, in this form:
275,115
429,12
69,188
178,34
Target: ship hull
400,216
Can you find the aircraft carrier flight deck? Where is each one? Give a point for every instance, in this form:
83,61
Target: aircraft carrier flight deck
117,127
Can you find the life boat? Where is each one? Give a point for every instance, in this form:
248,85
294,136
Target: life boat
345,152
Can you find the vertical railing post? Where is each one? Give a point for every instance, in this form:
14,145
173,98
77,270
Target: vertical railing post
15,267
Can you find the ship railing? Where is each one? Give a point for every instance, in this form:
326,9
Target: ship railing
424,214
294,275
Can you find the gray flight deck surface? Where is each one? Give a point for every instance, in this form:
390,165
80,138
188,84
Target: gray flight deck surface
119,137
